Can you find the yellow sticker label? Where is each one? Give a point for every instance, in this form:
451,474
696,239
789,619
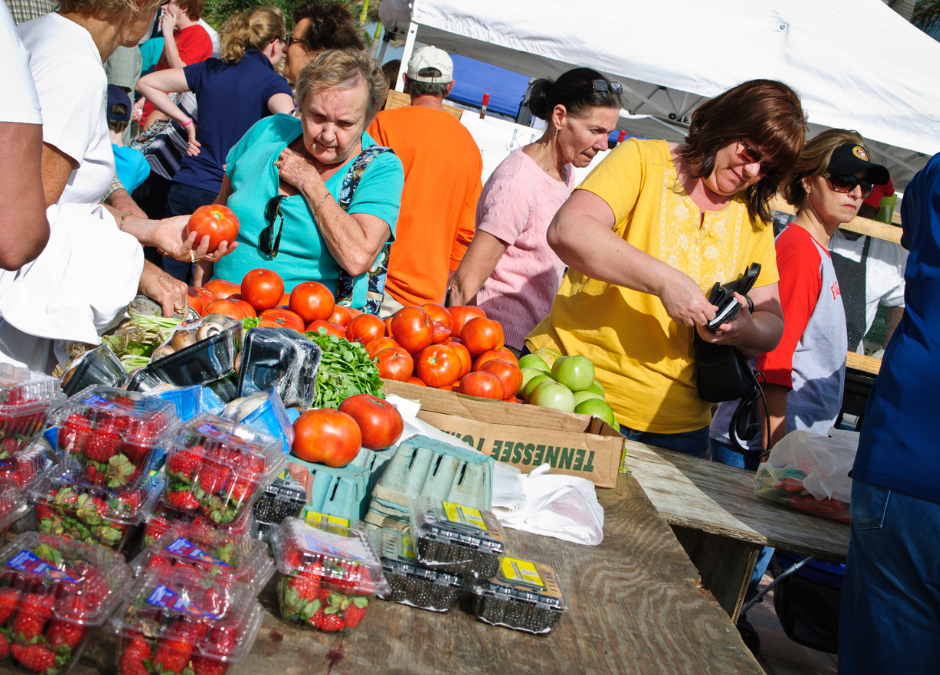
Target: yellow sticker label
408,547
464,515
314,518
514,569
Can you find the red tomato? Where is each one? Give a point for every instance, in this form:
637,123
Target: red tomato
441,333
205,295
226,307
466,361
246,308
440,313
438,366
328,326
194,300
462,315
509,374
222,288
502,354
262,289
484,385
312,300
214,220
341,315
379,344
326,436
284,301
395,364
481,335
380,423
355,312
416,381
412,328
284,318
364,328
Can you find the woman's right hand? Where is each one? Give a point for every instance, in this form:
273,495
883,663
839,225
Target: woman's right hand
684,301
194,145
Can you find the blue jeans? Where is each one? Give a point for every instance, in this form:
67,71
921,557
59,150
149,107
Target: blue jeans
890,616
182,200
693,443
723,454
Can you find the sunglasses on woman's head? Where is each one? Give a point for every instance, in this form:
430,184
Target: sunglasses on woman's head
846,184
604,85
268,242
755,157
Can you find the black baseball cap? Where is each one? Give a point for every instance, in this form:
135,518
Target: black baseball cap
850,158
117,96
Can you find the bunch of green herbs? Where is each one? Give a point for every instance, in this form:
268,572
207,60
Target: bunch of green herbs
345,370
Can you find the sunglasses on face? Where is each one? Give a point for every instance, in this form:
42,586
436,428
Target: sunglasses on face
755,157
291,40
845,184
268,242
604,85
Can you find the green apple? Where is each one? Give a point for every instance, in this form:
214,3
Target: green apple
597,389
533,361
547,354
575,372
599,409
581,396
552,395
533,383
528,374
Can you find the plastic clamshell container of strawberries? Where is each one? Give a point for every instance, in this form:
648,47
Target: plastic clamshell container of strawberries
53,592
93,515
181,621
219,468
410,582
114,435
26,400
25,467
456,538
13,505
215,552
160,518
330,574
523,595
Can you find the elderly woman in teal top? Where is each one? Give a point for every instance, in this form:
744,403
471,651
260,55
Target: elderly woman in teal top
317,199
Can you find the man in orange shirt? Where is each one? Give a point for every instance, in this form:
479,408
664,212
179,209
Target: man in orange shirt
443,167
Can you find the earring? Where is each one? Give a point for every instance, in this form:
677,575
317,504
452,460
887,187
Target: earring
556,131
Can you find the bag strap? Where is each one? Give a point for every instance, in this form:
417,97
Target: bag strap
745,416
355,291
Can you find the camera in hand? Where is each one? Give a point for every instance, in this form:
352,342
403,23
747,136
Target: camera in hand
722,297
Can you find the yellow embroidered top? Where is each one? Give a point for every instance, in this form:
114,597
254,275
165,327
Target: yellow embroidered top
643,359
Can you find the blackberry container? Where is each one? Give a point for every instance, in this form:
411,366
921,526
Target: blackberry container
281,358
412,583
211,357
27,399
282,499
456,538
99,366
523,595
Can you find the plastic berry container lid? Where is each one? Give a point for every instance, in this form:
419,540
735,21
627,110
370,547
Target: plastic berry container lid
25,467
220,467
411,582
27,400
79,583
343,556
114,435
456,538
160,517
216,617
212,551
523,595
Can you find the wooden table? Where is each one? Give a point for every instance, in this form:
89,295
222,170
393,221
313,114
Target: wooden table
635,607
722,524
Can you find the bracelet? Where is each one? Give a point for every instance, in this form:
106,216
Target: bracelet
316,211
121,222
750,304
186,123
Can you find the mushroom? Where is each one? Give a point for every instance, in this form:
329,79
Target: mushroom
238,363
212,324
182,339
160,352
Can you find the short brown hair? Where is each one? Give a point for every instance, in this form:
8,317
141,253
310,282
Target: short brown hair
331,26
192,8
814,161
765,112
343,69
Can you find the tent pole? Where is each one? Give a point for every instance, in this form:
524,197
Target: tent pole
406,55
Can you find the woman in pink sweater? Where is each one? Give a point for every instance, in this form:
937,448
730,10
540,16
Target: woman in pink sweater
509,267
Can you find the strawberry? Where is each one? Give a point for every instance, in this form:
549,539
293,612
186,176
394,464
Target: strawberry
73,433
8,600
132,660
185,462
353,614
329,623
91,509
33,613
93,475
183,500
213,601
125,502
204,666
36,657
112,424
239,489
8,447
293,558
4,646
212,478
171,656
223,640
64,634
100,447
308,588
120,471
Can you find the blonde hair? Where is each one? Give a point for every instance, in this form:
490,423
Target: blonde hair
251,30
814,161
103,6
343,69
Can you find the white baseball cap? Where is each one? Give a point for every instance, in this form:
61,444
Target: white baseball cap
431,57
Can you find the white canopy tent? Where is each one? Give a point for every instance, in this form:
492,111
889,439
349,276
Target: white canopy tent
855,63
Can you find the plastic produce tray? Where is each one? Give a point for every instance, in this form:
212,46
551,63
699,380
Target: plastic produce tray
281,358
524,596
209,359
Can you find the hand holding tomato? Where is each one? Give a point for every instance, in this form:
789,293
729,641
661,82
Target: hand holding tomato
219,224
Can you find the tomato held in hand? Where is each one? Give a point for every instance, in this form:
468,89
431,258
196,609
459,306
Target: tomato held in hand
262,289
462,315
326,436
380,423
484,385
364,328
311,300
481,335
395,364
412,329
222,288
283,318
215,220
438,366
508,374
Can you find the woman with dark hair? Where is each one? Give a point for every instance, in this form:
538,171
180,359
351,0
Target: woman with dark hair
318,26
653,227
509,266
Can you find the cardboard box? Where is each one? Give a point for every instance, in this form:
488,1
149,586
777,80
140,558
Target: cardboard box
525,436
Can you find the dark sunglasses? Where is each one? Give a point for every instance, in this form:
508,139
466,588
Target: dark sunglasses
291,40
754,157
846,184
268,242
604,85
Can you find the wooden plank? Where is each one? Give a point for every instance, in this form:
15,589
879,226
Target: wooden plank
719,499
399,99
867,364
635,607
871,228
